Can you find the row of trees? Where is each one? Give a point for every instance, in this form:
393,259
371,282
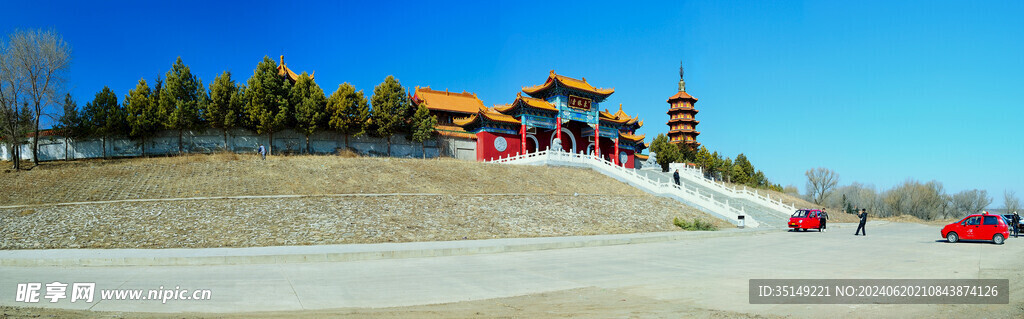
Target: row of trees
33,68
927,200
267,103
739,171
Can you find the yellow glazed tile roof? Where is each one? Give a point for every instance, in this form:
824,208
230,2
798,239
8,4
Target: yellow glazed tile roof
448,101
581,85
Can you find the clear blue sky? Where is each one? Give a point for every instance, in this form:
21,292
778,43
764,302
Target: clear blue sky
879,91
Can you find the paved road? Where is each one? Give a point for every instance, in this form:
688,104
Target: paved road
708,273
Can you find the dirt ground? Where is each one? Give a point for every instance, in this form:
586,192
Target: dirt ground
575,303
240,175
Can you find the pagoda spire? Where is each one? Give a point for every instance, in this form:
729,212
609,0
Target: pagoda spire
682,84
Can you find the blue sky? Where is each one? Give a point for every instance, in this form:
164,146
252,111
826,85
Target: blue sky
879,91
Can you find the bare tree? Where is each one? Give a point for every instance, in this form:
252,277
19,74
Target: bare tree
820,183
12,119
43,58
970,202
1010,201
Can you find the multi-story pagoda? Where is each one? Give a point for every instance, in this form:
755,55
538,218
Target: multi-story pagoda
682,122
562,109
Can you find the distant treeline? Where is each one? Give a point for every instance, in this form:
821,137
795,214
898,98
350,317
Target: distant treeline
740,171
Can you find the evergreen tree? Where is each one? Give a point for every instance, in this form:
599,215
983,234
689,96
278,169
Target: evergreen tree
743,171
727,170
704,160
665,153
225,109
181,100
423,126
142,115
348,111
391,109
71,123
687,153
309,103
106,117
266,98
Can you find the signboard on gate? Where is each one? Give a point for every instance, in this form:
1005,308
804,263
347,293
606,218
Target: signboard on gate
580,103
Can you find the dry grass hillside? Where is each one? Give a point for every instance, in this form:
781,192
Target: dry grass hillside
351,200
237,175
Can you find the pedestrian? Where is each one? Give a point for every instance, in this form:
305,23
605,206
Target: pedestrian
823,219
863,220
675,176
1016,224
262,151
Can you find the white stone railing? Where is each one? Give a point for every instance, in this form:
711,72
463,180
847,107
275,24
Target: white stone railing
717,206
696,175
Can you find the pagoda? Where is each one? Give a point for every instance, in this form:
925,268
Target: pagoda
682,123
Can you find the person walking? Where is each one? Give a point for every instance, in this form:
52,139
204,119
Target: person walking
823,219
675,176
262,151
1016,224
863,220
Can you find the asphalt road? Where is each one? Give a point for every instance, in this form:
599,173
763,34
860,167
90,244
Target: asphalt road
710,273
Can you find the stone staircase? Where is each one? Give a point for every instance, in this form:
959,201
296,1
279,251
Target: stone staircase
768,216
737,206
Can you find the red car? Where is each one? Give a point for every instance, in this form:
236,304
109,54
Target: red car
977,227
805,219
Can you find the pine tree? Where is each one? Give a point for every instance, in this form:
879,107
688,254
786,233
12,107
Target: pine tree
224,109
423,126
181,100
266,97
348,111
704,160
743,173
665,153
106,117
309,103
391,109
71,123
142,115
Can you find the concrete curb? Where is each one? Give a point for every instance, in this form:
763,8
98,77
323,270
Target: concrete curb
335,253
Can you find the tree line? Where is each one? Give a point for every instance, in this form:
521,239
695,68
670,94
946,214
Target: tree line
266,103
924,200
738,171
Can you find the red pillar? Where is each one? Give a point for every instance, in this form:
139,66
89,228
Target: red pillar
615,158
522,137
558,131
597,140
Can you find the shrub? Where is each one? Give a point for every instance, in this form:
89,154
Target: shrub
696,224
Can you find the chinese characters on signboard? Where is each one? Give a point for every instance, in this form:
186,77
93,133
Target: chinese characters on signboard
579,102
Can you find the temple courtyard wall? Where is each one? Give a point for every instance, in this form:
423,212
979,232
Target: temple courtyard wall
52,148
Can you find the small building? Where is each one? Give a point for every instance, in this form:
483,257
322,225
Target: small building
563,109
682,122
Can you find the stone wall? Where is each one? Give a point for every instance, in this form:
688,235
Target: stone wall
53,148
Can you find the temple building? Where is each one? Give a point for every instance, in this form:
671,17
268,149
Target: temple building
682,123
284,72
562,109
448,106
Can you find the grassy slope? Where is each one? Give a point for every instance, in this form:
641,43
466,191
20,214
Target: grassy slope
234,175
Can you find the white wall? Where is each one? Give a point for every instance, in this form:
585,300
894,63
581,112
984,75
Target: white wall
242,141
